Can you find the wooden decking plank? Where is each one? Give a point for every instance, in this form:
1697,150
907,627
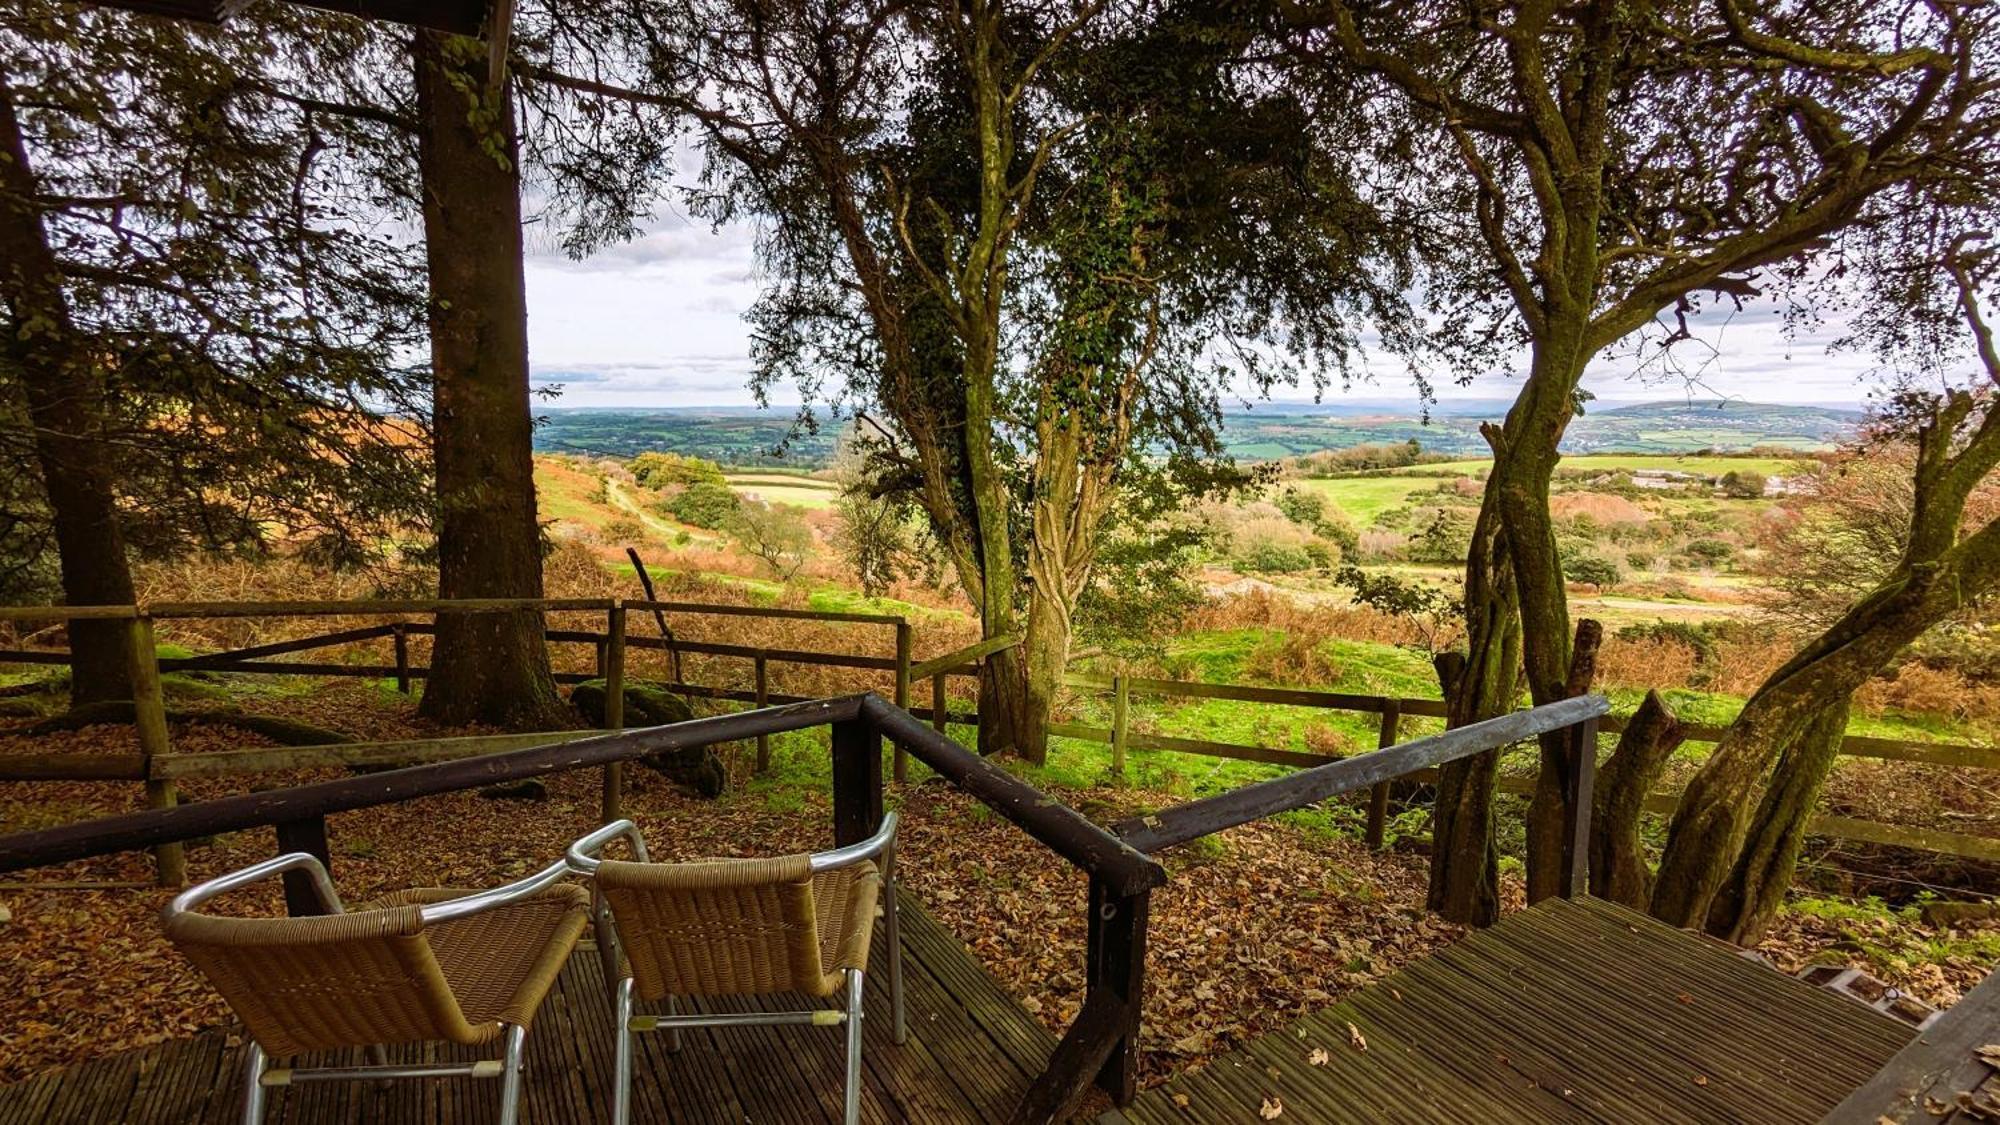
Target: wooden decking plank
1572,1064
766,1077
981,1069
1721,1065
1387,1076
1439,1052
1023,1037
1819,1043
1336,1090
1791,1001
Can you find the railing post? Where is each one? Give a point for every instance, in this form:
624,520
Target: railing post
1121,710
149,720
309,836
612,804
1378,796
940,706
857,781
1579,785
402,639
902,767
1115,961
762,666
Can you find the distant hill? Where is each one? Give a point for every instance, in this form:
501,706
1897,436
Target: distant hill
1278,430
743,436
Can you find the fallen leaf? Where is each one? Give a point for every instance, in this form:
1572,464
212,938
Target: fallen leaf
1354,1038
1319,1057
1180,1099
1272,1108
1701,1079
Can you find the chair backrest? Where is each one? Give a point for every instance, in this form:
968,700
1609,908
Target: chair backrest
717,928
317,983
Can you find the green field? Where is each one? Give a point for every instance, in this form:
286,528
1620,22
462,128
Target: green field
1364,498
1709,466
798,491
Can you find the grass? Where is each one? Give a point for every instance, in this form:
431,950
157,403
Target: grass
1711,466
1364,498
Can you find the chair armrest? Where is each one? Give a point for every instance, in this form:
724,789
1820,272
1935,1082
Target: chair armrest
883,839
584,856
515,891
194,896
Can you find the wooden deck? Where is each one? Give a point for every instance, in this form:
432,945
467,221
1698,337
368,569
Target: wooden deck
1570,1012
970,1055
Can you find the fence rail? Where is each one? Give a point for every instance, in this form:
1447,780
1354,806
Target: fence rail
160,767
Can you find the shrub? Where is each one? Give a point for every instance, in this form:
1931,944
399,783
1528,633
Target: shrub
1709,552
1743,484
704,505
624,529
664,470
1639,560
1591,570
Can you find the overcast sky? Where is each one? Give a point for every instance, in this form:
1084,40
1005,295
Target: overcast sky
659,322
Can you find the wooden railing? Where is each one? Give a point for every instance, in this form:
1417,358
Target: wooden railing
1393,711
159,767
1121,879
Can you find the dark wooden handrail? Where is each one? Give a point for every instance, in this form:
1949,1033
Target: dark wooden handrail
1060,828
1195,819
129,831
1940,1065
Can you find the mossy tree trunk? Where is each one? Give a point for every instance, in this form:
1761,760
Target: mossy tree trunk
1619,871
65,399
485,667
1731,849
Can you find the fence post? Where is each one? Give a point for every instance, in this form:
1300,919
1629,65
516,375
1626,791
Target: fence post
762,665
940,707
309,836
1115,960
857,781
612,806
1579,785
149,720
1378,797
1121,710
402,638
902,768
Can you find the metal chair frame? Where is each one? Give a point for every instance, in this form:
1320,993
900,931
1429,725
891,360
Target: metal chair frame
259,1075
584,858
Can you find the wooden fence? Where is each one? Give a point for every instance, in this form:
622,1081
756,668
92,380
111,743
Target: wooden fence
159,767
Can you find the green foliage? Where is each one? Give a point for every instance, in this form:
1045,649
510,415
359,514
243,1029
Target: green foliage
1743,484
1710,552
703,505
1444,536
1435,612
1310,510
775,533
665,470
1591,569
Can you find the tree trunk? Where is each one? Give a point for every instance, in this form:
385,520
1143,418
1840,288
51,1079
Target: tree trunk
1465,867
1546,824
66,407
1714,819
489,667
1748,902
1618,869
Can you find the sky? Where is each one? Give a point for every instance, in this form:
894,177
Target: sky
658,322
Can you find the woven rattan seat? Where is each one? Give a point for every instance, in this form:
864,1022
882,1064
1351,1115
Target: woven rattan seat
735,927
424,965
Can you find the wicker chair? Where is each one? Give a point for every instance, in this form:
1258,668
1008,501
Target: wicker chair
421,965
800,923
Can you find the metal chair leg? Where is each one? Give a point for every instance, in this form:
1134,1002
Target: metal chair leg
253,1090
853,1110
510,1079
621,1084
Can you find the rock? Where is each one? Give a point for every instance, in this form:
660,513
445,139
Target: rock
527,789
649,705
646,705
1945,914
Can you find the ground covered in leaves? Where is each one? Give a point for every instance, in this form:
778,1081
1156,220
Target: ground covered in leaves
1254,927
